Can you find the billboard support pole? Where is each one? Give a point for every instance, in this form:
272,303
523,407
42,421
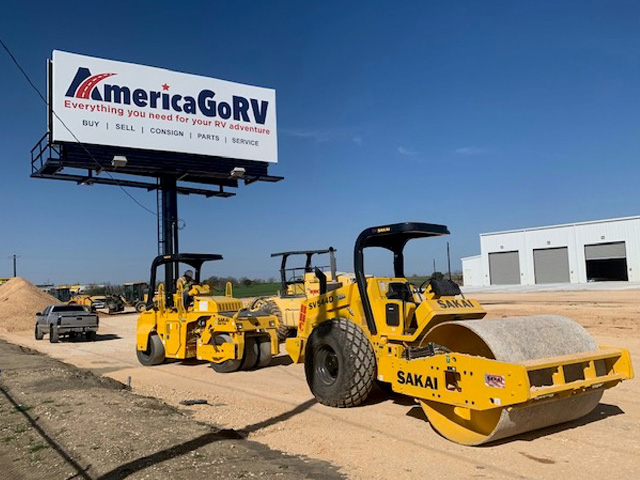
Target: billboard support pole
169,229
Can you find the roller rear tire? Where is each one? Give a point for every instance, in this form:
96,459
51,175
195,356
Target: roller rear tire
271,307
340,364
264,347
154,354
251,352
227,366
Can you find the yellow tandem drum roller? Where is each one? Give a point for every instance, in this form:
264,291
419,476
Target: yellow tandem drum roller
514,340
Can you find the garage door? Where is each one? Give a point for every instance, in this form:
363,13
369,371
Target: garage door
551,265
603,251
504,268
606,262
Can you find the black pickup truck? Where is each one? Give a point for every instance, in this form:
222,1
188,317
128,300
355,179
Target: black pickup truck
71,320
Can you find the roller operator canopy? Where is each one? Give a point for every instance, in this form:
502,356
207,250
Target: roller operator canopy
194,260
394,237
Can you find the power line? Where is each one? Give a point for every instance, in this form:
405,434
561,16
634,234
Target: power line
15,61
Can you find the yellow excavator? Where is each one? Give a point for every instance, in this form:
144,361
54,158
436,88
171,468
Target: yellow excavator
478,380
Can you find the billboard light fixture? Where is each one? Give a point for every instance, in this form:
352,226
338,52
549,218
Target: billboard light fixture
119,161
238,172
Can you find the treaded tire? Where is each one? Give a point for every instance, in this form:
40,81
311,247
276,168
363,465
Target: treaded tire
227,366
271,307
54,336
154,354
250,355
257,303
264,355
339,365
141,307
38,334
91,336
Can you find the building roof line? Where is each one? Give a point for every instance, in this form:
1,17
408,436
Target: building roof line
562,225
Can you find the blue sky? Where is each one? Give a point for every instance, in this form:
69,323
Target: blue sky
480,115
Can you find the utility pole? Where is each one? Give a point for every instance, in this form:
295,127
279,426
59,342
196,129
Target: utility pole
15,265
448,260
434,265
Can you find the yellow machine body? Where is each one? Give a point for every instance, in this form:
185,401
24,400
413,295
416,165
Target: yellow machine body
81,299
415,320
288,305
298,284
190,332
464,393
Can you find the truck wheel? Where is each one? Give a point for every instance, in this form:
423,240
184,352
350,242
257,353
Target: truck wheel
141,307
227,366
154,354
38,334
91,336
251,352
339,364
264,348
54,337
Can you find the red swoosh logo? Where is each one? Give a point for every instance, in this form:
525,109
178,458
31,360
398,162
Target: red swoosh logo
85,88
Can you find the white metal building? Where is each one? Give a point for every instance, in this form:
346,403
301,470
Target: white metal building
604,250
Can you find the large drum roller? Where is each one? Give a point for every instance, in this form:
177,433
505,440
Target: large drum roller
478,380
513,340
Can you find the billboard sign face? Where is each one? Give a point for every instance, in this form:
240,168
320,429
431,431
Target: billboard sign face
104,102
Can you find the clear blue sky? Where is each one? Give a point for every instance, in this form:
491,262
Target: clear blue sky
480,115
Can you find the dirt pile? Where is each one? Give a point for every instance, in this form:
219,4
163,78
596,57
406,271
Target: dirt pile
19,303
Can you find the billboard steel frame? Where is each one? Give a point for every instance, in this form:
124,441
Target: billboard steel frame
92,165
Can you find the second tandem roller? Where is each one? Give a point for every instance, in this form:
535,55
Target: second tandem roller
478,380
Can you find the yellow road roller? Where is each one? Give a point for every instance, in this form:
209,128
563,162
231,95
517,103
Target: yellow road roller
296,284
478,380
197,324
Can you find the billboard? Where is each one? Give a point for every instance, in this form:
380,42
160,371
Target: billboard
104,102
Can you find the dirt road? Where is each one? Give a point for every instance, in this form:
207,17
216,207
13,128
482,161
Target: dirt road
389,437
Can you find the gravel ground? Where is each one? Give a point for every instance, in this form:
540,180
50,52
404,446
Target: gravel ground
388,436
61,422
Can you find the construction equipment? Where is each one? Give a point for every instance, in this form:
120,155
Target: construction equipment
76,289
213,328
107,303
478,380
62,293
297,284
103,303
135,295
84,300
